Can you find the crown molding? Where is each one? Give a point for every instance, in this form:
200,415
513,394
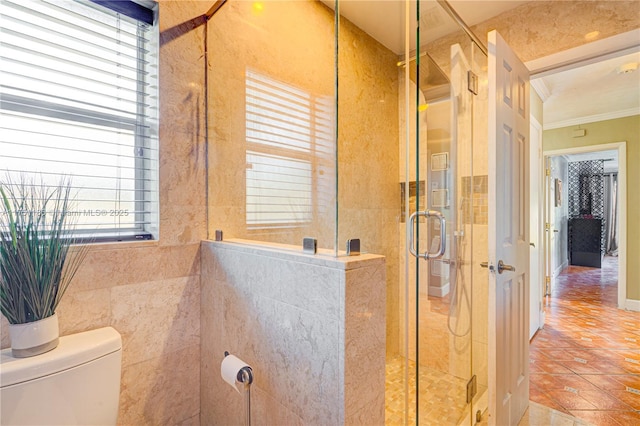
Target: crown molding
592,118
541,88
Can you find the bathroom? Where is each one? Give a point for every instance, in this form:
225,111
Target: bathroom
151,291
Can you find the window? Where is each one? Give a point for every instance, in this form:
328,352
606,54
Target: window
289,147
78,98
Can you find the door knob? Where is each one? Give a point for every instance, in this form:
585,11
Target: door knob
504,267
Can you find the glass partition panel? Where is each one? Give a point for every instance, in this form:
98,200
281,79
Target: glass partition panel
326,128
371,135
271,122
445,72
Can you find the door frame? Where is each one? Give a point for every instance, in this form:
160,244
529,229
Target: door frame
621,147
537,288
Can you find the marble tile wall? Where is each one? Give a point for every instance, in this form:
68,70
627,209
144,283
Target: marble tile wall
311,327
150,291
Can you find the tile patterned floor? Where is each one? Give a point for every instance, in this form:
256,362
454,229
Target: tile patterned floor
586,360
539,415
442,395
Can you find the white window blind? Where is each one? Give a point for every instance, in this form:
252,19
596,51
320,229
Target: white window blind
78,98
289,146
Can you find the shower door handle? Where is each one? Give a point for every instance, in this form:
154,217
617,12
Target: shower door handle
443,234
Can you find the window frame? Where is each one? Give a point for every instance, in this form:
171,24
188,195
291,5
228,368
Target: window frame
144,125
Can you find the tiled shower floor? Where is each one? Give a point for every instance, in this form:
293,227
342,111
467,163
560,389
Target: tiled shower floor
586,360
442,396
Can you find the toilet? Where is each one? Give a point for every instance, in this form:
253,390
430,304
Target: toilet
77,383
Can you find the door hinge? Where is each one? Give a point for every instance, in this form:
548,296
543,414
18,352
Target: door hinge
472,389
547,226
547,285
472,82
547,172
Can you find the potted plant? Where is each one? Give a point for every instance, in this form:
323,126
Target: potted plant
37,262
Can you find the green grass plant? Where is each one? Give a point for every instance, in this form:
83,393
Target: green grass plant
37,260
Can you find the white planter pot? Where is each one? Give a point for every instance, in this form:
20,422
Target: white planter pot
34,338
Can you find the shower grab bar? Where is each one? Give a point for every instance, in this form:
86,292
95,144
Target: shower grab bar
443,234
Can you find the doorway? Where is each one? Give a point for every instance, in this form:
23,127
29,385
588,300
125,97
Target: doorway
582,210
558,214
570,131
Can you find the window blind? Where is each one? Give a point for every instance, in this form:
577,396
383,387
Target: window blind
78,98
289,151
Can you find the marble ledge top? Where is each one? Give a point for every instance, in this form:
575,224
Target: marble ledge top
324,257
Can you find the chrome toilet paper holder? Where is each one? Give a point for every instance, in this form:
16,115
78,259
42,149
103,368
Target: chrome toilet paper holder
245,376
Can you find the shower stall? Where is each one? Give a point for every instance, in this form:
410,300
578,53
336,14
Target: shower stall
320,125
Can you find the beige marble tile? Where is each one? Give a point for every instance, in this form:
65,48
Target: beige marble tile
176,12
161,390
182,99
191,421
84,310
266,410
156,318
188,223
104,268
5,341
365,346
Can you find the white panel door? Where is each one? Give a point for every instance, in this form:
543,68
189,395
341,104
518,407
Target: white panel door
508,234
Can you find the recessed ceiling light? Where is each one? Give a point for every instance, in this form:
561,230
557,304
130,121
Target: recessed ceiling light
627,68
592,35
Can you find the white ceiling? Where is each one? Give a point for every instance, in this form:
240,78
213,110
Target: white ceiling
593,92
385,20
590,93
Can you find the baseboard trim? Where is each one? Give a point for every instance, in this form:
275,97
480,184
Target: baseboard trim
439,291
632,305
560,268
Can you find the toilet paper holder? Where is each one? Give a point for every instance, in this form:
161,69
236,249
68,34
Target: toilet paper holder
245,375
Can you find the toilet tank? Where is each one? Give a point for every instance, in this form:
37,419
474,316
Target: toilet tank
77,383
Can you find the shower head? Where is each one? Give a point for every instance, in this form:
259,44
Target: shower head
434,83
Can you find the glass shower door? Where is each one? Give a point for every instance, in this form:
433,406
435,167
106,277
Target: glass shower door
446,87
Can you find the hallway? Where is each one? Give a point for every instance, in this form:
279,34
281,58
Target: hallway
586,360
